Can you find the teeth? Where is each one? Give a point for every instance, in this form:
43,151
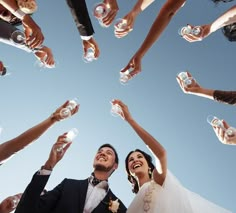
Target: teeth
136,166
101,158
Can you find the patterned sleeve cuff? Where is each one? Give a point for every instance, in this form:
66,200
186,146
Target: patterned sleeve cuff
227,97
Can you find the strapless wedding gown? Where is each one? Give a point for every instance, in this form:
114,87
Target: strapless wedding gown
172,197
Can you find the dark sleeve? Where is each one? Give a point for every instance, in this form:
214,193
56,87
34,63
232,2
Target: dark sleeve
122,208
81,17
226,97
6,30
32,202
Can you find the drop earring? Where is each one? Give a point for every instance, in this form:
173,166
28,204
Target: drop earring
149,172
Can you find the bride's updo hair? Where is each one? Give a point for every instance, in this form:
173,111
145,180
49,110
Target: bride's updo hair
131,178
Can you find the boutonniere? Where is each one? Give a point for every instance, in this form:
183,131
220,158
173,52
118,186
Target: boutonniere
113,205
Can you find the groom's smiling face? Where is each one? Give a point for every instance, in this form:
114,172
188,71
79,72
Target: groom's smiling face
105,160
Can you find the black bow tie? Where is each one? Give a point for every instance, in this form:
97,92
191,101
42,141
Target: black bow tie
95,181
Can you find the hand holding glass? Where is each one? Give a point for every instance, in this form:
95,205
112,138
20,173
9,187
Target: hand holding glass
116,110
100,11
196,31
66,112
70,136
89,56
187,81
216,122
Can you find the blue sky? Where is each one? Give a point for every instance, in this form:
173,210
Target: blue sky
175,119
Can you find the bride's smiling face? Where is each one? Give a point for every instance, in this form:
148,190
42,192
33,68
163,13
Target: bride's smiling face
137,164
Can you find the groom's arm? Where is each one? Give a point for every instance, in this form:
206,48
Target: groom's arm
31,197
31,201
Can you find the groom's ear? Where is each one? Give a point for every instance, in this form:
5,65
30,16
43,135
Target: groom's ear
115,166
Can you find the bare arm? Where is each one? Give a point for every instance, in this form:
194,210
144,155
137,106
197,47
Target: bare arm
140,6
131,17
163,19
10,147
168,10
195,89
229,17
226,97
157,149
34,36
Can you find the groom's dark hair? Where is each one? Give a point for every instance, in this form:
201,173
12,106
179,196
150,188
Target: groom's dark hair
114,150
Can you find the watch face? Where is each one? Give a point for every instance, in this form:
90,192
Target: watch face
3,72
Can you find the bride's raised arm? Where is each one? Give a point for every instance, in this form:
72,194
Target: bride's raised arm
158,151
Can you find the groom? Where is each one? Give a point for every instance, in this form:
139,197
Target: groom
73,196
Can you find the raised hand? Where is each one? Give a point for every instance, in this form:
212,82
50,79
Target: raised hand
124,112
91,43
192,88
57,115
129,23
10,203
226,135
134,65
205,31
112,13
34,36
57,152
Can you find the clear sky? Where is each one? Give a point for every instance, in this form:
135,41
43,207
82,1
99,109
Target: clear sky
176,120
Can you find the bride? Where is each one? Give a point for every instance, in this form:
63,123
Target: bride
156,189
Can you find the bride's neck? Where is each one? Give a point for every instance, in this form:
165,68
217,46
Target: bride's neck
143,179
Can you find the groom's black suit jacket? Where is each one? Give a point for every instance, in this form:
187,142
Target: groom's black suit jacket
81,17
68,197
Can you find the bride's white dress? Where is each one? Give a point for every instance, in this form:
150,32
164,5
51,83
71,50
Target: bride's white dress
172,197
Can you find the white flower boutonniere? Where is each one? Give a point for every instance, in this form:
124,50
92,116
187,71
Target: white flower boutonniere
114,205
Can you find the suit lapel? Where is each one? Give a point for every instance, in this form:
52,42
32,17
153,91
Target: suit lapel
83,193
103,206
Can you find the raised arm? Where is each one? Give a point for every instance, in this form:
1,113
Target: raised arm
168,10
227,18
31,200
114,8
34,36
194,88
226,135
164,17
83,22
131,17
226,97
157,149
14,145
